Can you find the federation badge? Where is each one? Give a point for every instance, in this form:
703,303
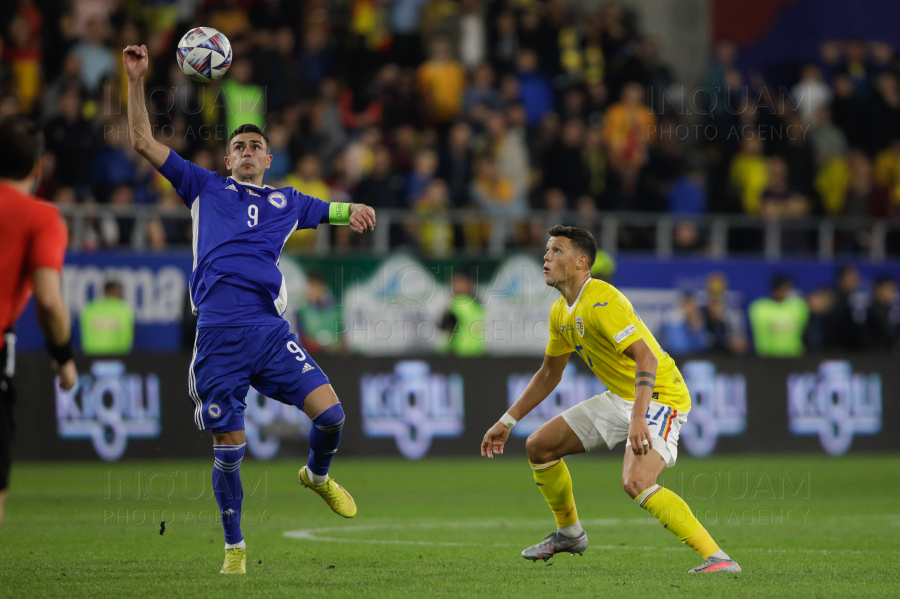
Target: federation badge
579,326
277,199
214,410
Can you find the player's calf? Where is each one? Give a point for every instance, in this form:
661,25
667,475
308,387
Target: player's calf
226,479
324,437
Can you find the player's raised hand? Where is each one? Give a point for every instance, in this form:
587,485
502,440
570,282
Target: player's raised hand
362,218
136,60
494,440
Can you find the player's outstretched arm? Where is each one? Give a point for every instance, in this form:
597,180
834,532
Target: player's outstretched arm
137,61
542,383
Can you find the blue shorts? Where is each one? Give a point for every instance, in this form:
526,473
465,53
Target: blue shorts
228,360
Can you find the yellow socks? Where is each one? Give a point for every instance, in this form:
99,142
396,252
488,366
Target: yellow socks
555,483
675,515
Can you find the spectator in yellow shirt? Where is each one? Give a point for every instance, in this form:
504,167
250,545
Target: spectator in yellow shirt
441,81
24,59
497,198
750,174
628,128
307,179
887,174
435,234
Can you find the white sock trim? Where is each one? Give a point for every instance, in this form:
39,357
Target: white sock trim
645,495
229,447
720,555
316,479
239,545
539,467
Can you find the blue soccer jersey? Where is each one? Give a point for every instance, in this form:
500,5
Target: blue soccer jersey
239,232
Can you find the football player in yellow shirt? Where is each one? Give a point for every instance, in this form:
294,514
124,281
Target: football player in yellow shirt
646,405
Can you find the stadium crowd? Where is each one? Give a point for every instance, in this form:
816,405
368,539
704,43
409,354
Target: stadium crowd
854,315
502,107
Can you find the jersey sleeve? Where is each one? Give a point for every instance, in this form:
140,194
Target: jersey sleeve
617,322
49,240
556,344
310,211
187,178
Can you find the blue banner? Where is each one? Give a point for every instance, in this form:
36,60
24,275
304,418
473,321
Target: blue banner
156,286
750,277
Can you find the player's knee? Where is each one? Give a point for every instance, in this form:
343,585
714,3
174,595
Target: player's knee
331,420
229,438
537,452
634,485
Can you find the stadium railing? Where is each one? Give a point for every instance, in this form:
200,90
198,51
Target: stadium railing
717,232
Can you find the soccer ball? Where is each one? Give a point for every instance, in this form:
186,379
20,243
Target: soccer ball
204,54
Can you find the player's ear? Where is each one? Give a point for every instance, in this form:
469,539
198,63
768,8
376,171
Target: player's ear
36,173
38,169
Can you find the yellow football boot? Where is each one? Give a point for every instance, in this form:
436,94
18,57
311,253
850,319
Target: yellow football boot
336,496
235,561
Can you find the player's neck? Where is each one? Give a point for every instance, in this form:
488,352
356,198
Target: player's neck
23,185
571,288
252,181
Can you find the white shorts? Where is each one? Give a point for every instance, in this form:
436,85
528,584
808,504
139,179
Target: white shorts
603,420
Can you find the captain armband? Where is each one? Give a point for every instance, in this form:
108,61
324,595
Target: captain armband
338,213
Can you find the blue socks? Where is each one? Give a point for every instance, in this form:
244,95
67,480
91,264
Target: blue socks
324,437
226,478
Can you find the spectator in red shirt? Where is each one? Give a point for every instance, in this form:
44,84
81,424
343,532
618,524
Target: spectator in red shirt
32,248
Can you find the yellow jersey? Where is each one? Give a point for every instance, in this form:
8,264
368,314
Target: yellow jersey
600,326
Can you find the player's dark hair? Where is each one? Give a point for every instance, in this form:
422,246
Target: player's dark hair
22,144
581,240
248,128
779,280
885,280
845,269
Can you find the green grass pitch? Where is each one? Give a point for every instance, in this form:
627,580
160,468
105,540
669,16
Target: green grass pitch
805,526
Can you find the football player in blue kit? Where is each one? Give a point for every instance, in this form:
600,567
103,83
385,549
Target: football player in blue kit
240,227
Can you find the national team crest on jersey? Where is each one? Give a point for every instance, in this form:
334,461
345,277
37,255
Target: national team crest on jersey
579,326
277,199
214,410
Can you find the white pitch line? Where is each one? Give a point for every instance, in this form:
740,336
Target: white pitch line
314,534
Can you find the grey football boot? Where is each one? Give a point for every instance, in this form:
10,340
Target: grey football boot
715,564
554,543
